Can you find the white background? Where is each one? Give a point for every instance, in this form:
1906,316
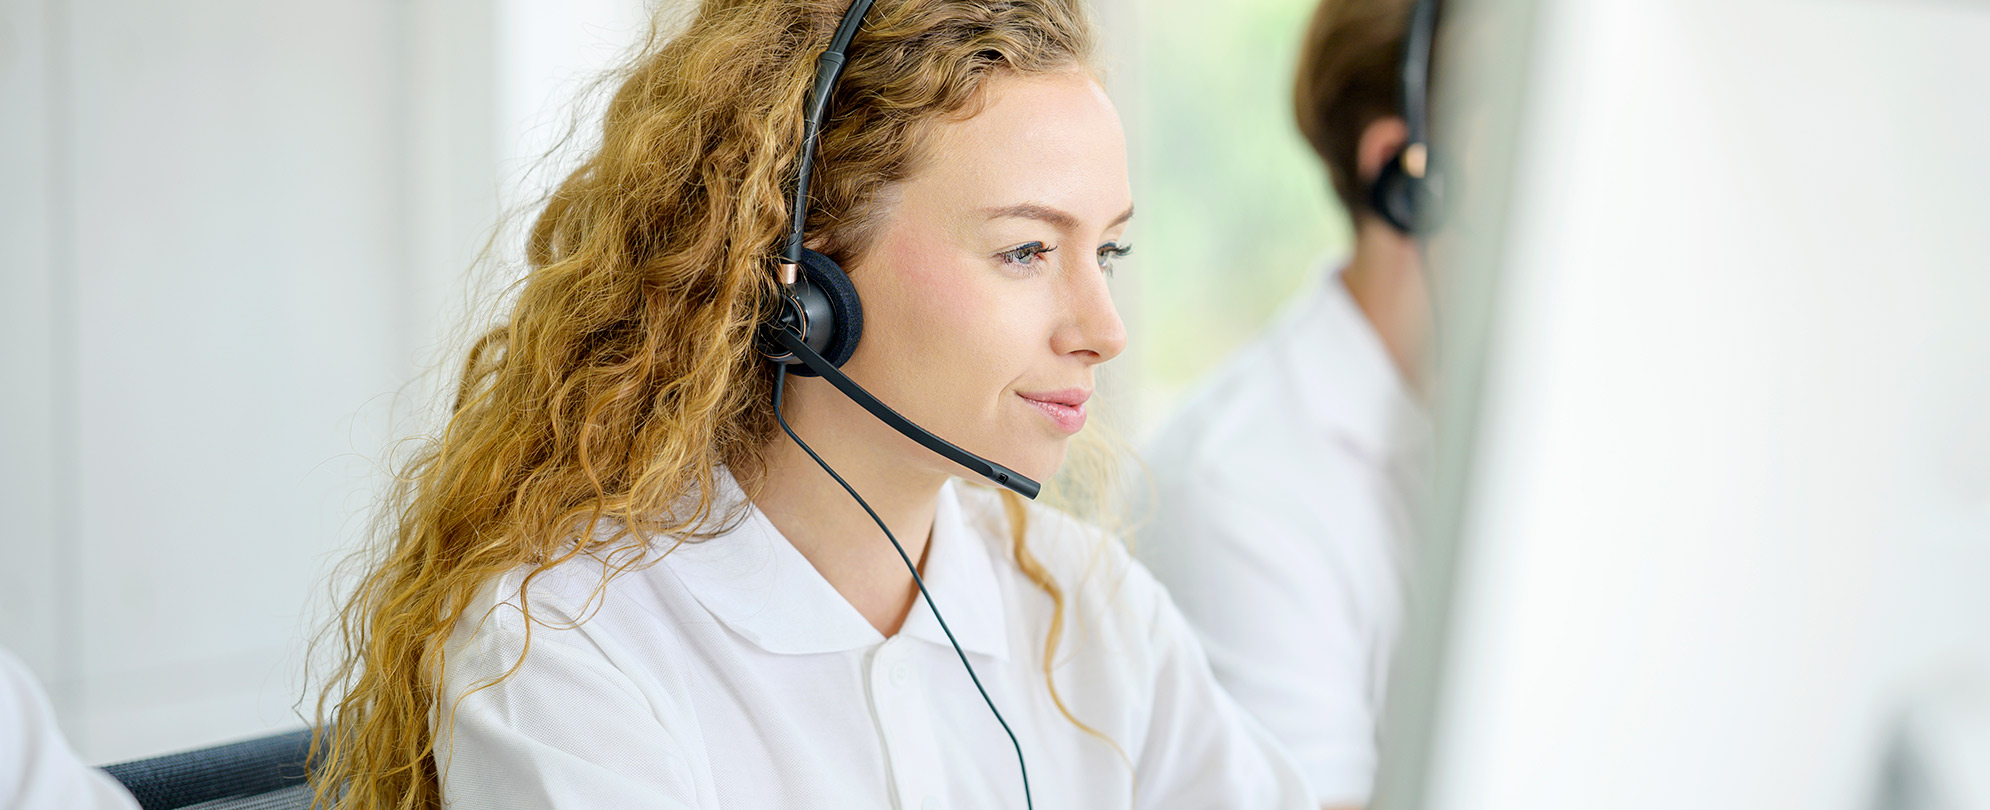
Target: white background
234,233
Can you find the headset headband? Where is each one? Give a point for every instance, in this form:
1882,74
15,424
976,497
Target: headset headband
1416,86
828,69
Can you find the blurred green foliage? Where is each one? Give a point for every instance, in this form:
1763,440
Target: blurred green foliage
1236,214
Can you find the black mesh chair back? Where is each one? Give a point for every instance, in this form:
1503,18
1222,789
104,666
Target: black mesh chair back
267,773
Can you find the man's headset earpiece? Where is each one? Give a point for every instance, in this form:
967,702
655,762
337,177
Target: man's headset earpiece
1408,193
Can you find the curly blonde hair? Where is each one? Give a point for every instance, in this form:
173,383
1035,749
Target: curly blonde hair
626,372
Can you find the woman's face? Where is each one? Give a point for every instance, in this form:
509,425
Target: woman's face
985,301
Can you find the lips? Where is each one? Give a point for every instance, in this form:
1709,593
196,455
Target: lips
1065,408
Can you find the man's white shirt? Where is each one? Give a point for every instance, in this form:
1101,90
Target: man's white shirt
730,674
1281,524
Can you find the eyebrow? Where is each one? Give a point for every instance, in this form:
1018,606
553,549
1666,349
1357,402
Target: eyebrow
1044,213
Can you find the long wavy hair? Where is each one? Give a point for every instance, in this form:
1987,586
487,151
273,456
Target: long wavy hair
625,371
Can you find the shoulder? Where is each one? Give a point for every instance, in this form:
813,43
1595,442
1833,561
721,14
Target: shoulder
584,601
1253,417
511,610
566,592
1284,419
1246,397
1068,548
1101,583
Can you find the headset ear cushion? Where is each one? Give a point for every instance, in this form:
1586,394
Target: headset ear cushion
1393,195
846,321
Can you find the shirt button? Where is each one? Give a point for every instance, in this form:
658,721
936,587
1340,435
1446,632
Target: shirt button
900,673
930,803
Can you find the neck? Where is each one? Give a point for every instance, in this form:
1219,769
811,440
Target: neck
826,525
1385,279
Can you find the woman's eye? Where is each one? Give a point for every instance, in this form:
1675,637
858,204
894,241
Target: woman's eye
1110,251
1025,255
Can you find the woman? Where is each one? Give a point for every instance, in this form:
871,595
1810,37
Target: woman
614,582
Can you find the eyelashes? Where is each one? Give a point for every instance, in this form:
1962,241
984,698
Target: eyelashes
1024,256
1111,251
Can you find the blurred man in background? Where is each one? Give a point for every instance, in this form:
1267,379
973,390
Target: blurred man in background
1284,488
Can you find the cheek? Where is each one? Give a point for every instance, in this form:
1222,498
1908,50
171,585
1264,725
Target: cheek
954,323
939,292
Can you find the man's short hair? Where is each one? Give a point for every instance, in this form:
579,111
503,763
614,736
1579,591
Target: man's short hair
1349,77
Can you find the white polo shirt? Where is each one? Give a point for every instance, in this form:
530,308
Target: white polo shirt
1281,524
730,674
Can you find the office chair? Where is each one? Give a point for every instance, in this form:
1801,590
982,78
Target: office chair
266,773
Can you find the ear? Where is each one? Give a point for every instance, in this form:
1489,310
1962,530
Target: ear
1380,141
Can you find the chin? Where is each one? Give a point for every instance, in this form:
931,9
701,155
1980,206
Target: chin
1040,462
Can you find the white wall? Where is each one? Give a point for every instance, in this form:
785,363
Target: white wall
552,53
230,226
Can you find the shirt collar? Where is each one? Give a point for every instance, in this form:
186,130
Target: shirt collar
752,580
1345,376
960,575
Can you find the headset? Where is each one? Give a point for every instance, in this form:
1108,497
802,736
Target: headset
1409,192
816,328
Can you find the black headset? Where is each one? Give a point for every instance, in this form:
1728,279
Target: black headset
816,329
1408,193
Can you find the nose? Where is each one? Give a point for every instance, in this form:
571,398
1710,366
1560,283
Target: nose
1091,328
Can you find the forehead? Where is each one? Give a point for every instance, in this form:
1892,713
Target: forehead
1051,138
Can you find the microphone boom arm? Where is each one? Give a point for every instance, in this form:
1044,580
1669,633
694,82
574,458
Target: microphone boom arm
996,473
